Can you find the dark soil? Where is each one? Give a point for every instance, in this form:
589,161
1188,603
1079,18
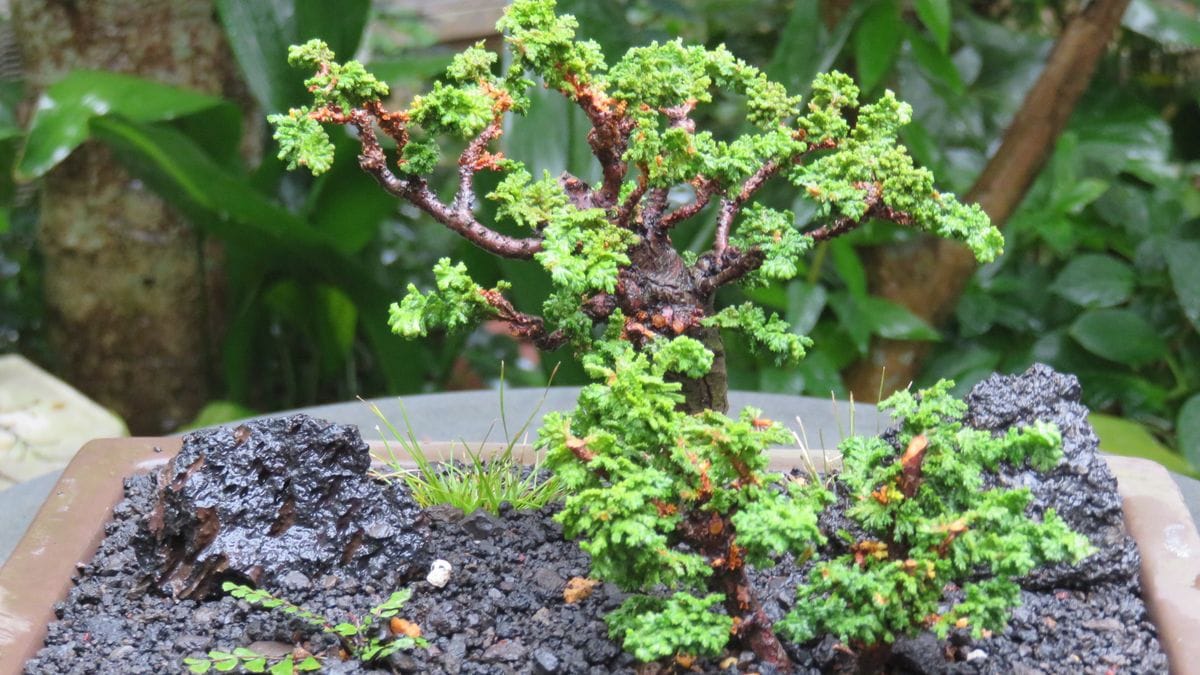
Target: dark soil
504,612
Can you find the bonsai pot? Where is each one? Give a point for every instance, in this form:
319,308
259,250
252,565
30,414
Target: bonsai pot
70,526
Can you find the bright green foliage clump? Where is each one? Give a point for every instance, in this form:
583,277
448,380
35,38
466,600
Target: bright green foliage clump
653,628
770,333
339,87
458,302
931,522
644,478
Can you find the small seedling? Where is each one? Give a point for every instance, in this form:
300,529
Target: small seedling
358,637
251,661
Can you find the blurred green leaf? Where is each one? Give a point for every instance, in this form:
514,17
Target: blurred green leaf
1183,261
346,204
340,24
935,14
260,33
1095,280
1162,23
896,322
64,110
936,63
337,324
1079,194
849,267
1187,428
1129,439
218,412
805,302
415,68
877,41
1118,335
795,62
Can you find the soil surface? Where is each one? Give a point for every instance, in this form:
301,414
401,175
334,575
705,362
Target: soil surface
503,610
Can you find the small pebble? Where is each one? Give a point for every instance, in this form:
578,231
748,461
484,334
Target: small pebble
976,655
439,573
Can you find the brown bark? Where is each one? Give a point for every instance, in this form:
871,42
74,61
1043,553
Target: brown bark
929,275
132,292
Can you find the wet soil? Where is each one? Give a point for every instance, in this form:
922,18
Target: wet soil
504,611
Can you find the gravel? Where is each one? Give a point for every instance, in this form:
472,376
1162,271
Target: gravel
503,609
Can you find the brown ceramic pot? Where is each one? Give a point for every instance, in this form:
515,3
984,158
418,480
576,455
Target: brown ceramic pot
70,525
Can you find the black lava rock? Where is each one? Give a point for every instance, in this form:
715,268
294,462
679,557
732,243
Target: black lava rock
279,498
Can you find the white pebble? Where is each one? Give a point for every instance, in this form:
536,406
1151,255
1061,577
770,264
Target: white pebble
976,655
439,573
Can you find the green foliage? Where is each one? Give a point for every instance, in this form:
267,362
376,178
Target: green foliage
250,661
343,86
929,522
775,234
360,637
772,334
475,482
639,475
457,302
654,628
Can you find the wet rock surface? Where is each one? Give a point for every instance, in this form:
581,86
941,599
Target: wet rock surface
278,499
503,610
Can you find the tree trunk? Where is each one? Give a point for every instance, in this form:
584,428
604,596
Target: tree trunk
661,296
132,292
710,392
929,275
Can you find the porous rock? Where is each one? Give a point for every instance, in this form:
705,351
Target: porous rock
274,498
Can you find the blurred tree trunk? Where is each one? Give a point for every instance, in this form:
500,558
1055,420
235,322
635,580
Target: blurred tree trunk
929,275
133,294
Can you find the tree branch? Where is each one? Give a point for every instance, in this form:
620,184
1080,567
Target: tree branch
474,157
415,190
522,325
737,266
608,137
705,189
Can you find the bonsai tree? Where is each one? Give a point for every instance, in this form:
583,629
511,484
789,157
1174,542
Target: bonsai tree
668,492
608,246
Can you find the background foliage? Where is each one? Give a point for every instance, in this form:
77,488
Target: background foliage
1096,279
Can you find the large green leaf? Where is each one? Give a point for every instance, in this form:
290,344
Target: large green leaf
260,33
935,14
1119,335
877,41
61,121
1127,438
1095,280
223,204
1187,430
805,302
1183,261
